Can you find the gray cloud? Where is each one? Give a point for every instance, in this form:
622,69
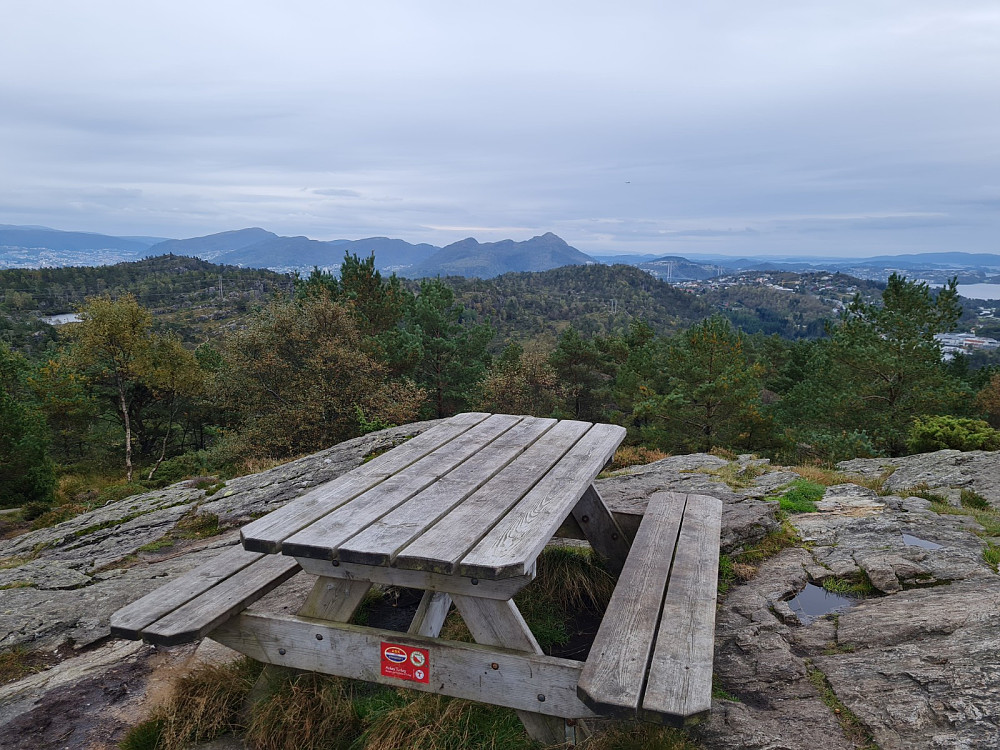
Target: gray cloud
723,126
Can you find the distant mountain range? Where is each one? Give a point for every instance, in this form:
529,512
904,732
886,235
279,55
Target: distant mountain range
33,246
468,257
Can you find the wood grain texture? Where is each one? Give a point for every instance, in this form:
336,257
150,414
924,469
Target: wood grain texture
462,670
323,537
601,529
266,534
614,675
515,542
497,623
441,547
199,616
418,579
379,543
680,672
334,599
431,614
129,621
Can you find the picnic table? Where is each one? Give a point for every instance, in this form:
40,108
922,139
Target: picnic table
462,512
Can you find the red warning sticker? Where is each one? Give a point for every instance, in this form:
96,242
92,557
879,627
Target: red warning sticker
405,662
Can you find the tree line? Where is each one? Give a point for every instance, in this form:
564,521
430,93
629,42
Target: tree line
340,356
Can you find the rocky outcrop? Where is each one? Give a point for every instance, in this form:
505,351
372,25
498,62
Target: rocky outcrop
975,470
914,664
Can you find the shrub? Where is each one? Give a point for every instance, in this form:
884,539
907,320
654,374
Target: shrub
934,433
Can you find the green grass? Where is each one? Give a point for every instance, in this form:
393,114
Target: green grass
198,526
144,736
856,586
737,476
801,496
633,736
742,566
158,544
16,663
854,730
974,500
991,554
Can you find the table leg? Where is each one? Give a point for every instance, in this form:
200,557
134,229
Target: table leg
601,529
494,622
334,599
430,615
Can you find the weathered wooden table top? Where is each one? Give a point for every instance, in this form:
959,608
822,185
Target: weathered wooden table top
478,495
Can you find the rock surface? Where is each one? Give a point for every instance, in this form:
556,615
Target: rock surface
917,664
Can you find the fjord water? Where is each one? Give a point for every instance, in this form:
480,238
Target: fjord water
980,291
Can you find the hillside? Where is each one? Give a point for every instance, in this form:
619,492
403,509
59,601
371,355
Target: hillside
593,298
484,260
189,295
212,246
303,254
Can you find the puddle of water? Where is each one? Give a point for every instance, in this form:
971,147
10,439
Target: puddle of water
915,541
815,601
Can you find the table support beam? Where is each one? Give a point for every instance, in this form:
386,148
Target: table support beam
498,623
335,599
497,676
602,530
431,614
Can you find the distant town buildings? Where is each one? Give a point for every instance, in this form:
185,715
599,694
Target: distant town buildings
963,343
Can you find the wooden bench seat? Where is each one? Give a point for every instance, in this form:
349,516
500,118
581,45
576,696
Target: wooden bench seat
191,606
652,657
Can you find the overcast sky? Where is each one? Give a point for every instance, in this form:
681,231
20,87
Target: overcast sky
841,127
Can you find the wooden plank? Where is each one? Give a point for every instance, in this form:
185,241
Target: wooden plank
613,677
203,613
334,599
496,623
431,614
680,673
379,543
514,543
129,621
442,546
601,529
266,534
418,579
462,670
323,537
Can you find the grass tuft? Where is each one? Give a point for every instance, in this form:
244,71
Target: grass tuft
570,579
634,736
740,567
198,526
632,455
991,554
738,477
433,722
16,663
854,730
974,500
801,496
144,736
305,710
859,586
206,703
